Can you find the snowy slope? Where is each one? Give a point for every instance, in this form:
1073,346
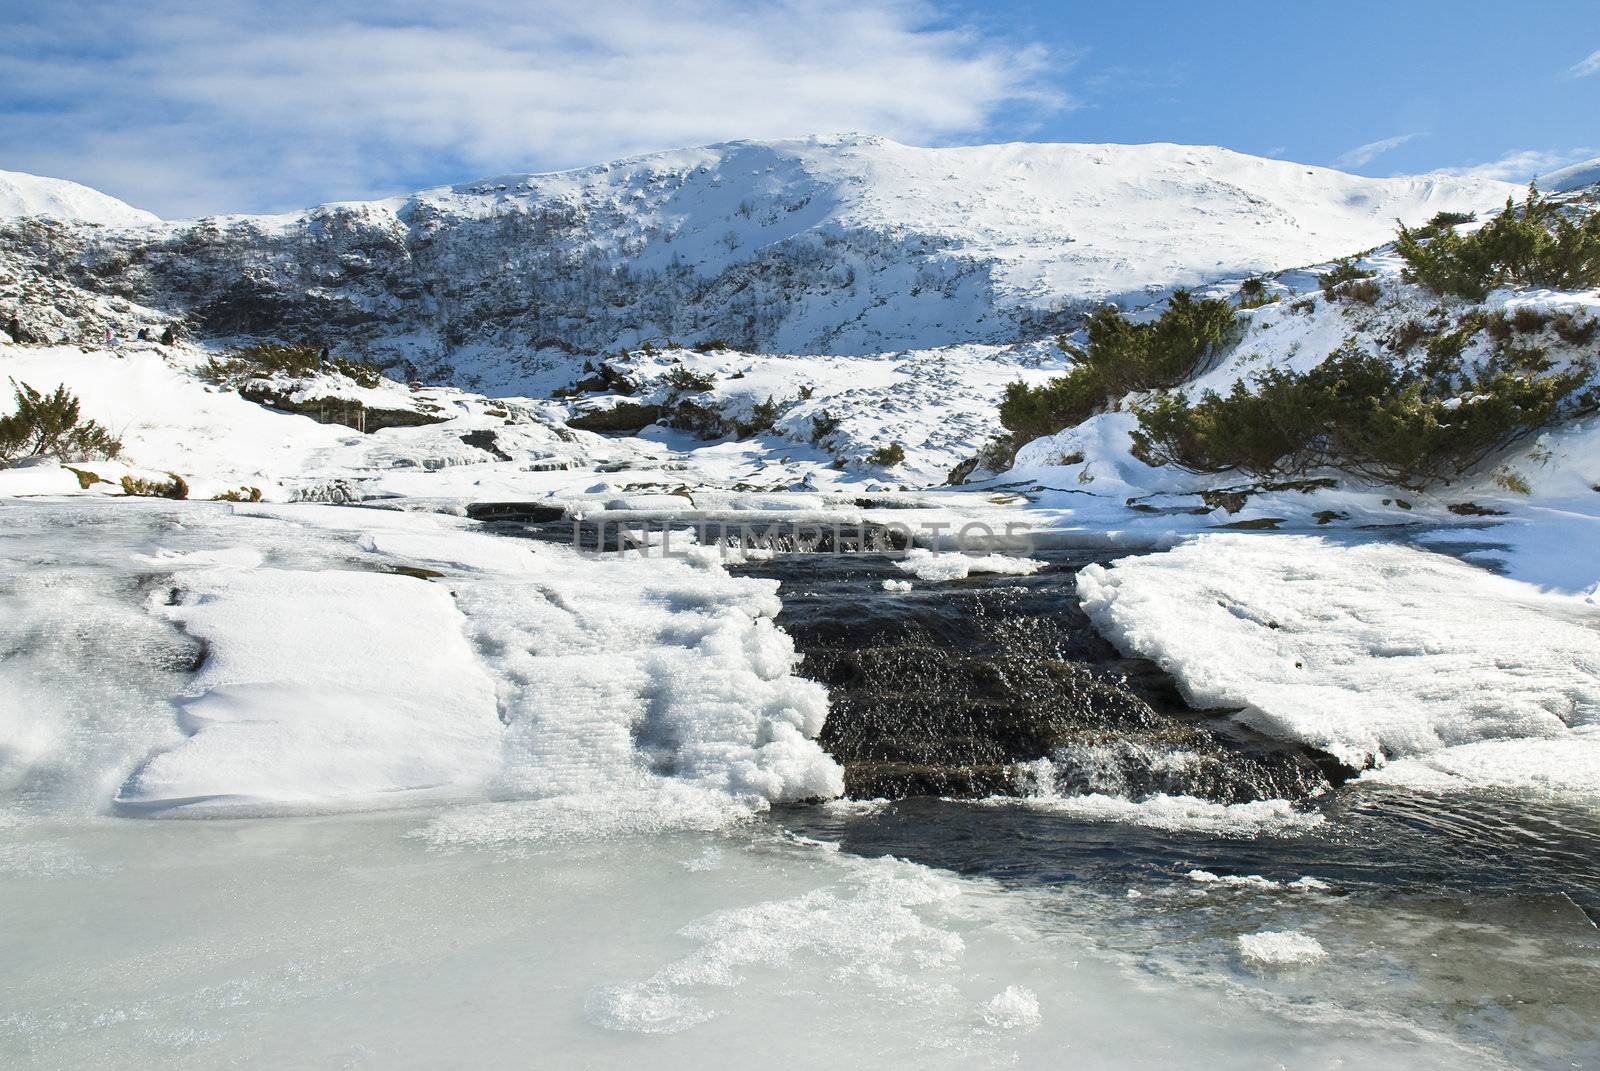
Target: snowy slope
831,245
1572,177
30,195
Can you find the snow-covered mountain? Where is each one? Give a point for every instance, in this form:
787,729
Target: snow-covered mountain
31,195
1572,177
832,245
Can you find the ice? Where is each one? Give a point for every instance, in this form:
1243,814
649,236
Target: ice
1161,811
932,565
1371,652
344,939
622,694
872,926
1015,1006
1280,948
322,688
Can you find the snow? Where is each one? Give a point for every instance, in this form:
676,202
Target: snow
823,245
643,692
1280,948
321,689
1572,177
1370,652
32,195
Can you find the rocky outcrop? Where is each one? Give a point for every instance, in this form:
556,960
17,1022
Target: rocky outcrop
954,689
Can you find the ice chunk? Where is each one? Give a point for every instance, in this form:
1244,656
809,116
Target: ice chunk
955,565
1372,653
1280,948
1276,817
1015,1006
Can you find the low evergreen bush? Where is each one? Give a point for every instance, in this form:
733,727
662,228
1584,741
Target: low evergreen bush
888,456
265,359
1120,357
1531,244
1409,426
51,426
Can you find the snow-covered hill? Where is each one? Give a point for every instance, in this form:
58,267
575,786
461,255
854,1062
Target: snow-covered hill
832,245
1572,177
31,195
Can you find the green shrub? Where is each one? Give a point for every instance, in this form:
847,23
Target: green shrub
175,488
1365,291
1528,320
243,494
711,345
1532,244
1253,294
1573,331
762,418
696,418
272,358
51,426
823,425
1343,271
682,381
1361,414
1443,221
1120,357
888,456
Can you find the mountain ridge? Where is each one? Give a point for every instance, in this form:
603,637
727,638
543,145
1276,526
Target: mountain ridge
833,244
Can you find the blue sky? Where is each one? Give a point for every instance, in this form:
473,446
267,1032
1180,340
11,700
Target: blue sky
189,107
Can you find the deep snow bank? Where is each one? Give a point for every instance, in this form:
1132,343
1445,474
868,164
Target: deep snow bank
1373,653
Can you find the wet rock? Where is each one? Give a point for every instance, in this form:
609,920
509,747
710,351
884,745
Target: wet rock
950,690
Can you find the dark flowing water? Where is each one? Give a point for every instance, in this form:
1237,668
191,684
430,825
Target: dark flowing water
958,652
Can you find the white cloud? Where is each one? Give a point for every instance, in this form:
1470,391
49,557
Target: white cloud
1523,165
1365,154
239,105
1586,66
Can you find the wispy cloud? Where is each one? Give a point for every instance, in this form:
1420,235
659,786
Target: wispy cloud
1362,155
1523,165
1586,66
240,105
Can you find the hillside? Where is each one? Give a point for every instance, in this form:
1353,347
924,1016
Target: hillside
23,195
827,245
